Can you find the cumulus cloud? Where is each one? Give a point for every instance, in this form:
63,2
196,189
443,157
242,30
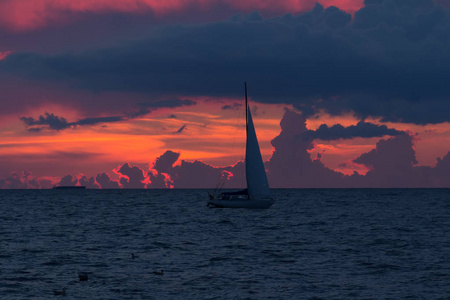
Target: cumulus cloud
361,129
291,164
165,162
131,177
198,174
394,153
89,183
390,62
159,171
25,180
79,180
68,180
164,173
441,173
14,181
106,182
46,183
392,163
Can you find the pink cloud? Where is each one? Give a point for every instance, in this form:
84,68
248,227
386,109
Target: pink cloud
31,14
4,54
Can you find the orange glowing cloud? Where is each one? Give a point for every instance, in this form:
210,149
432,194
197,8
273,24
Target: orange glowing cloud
212,134
31,14
338,155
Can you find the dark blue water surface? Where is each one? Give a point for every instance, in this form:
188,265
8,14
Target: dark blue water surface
312,244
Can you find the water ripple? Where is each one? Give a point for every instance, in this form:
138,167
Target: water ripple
312,244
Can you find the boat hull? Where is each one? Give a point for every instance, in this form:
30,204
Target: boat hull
263,203
67,187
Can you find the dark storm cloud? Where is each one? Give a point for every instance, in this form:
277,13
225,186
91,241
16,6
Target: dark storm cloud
93,121
234,106
50,121
390,62
361,129
148,107
53,122
105,28
169,103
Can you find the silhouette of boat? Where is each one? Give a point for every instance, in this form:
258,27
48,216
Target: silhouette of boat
257,194
69,187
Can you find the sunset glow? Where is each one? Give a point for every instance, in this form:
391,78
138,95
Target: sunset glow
149,94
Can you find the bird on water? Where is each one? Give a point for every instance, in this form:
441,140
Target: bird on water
83,276
60,293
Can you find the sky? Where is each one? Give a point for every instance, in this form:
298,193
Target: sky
149,94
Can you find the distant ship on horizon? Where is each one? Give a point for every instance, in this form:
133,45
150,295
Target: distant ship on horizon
69,187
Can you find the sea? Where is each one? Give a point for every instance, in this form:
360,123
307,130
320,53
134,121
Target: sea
311,244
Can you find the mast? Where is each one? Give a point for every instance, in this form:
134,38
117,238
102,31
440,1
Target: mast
246,108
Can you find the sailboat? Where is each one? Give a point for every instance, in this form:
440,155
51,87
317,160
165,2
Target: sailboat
257,194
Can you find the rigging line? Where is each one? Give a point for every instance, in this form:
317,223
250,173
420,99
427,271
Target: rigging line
246,108
237,119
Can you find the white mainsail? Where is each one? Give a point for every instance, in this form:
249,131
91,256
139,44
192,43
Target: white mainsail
257,184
